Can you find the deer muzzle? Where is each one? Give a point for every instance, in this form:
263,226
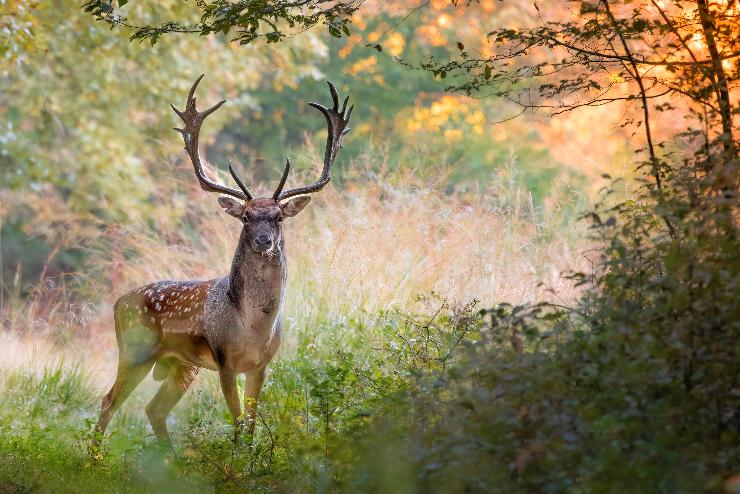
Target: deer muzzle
262,242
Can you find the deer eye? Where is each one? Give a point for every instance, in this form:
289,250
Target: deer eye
280,219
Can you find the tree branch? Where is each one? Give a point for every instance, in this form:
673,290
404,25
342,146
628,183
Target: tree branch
648,134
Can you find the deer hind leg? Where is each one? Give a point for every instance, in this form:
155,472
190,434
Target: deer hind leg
129,376
137,347
172,389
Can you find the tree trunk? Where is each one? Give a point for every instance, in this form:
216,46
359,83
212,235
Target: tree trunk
723,91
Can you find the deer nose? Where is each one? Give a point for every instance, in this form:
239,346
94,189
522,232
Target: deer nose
263,240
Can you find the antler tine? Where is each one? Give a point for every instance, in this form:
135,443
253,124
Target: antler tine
240,183
191,133
337,122
279,190
191,93
334,95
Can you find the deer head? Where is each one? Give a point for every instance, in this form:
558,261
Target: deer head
262,217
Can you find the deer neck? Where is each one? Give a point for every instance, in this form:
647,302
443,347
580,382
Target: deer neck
257,280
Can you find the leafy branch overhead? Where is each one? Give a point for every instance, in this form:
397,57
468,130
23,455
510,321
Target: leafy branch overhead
252,19
607,52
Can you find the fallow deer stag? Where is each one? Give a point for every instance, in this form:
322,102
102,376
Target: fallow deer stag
230,324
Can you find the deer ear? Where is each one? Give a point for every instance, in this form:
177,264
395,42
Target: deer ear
295,206
231,206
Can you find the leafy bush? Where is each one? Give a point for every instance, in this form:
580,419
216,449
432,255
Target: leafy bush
633,390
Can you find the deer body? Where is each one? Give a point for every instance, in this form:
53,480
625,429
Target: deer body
230,324
239,311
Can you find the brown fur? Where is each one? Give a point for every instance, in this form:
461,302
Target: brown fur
165,325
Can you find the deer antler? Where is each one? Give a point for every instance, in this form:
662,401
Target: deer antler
193,119
279,190
337,121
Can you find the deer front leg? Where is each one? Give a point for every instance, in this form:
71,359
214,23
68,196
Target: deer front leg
255,379
228,386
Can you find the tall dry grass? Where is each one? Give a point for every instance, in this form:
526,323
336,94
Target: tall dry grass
358,249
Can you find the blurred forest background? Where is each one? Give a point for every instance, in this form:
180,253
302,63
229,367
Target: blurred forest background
491,296
97,144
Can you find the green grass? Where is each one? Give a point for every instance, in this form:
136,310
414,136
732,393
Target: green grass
311,398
